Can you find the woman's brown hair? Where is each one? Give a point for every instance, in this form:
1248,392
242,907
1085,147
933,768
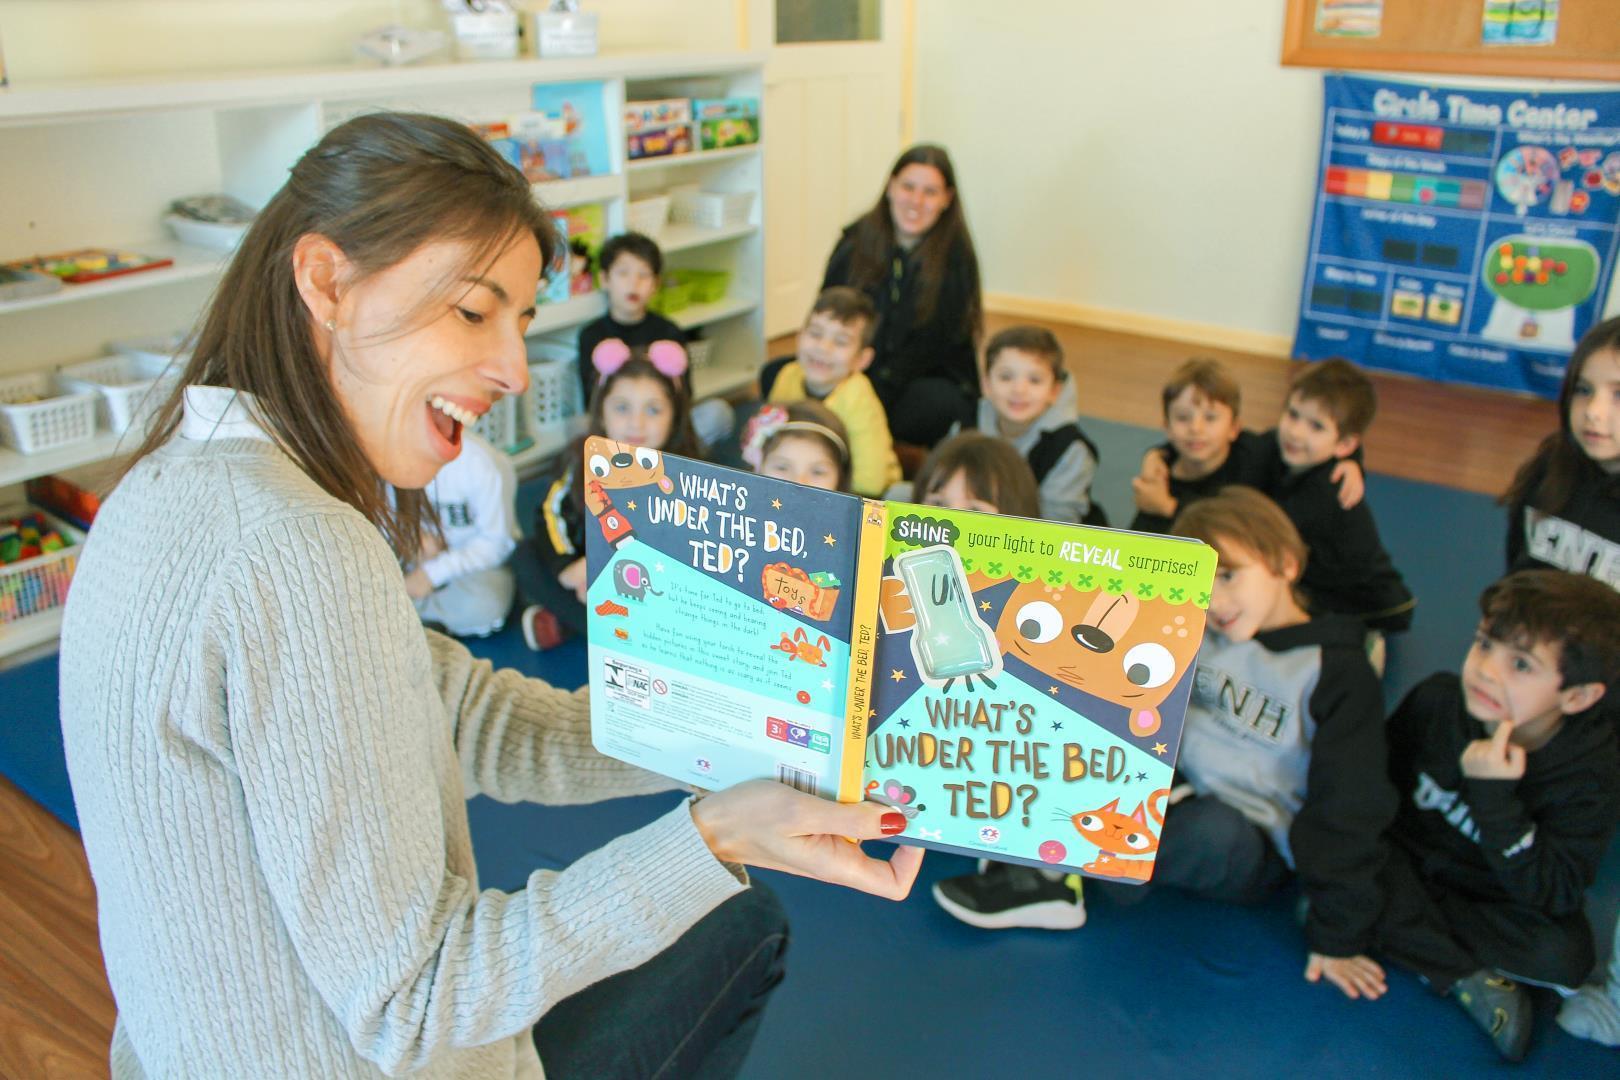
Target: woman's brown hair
948,244
1549,478
379,186
995,473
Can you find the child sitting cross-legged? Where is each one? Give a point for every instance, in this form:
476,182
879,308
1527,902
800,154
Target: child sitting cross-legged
835,348
974,471
1509,778
1282,755
1029,400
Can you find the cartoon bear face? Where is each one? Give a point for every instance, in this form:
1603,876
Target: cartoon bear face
620,465
1116,647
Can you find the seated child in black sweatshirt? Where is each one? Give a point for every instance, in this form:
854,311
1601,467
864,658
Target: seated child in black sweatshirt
1510,789
1328,410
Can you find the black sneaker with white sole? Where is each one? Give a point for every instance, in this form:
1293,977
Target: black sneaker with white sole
1502,1009
1002,896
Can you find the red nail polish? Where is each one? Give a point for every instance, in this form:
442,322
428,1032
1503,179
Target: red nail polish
892,823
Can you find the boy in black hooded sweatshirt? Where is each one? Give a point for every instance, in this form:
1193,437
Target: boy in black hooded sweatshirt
1510,789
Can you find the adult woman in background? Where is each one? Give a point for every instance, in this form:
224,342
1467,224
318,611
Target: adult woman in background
270,756
912,254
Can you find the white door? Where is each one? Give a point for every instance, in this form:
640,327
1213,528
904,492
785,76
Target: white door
832,128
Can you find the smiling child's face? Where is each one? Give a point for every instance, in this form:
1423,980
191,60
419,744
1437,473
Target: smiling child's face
1248,596
1202,431
830,351
1307,434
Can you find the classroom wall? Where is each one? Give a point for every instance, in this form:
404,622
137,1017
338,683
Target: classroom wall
75,39
1148,166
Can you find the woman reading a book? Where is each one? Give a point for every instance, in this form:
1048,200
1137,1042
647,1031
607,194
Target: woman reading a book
271,757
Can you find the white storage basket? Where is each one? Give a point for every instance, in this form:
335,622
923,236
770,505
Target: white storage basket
699,351
647,216
499,426
553,397
36,587
55,420
710,209
129,390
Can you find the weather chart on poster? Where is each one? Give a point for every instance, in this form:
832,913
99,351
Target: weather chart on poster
1459,234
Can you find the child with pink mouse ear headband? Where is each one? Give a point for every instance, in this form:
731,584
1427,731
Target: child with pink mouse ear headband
668,357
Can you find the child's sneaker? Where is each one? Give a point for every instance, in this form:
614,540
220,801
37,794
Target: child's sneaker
1501,1008
1003,895
541,630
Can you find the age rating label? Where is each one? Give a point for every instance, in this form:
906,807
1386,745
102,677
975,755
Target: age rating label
627,683
798,735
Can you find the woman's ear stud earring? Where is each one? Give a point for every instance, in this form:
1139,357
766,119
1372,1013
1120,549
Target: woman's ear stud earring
331,325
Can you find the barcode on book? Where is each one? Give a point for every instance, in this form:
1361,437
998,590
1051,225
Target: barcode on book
799,779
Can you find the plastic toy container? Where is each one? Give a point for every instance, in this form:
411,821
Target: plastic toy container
128,389
711,209
37,587
553,395
706,286
36,415
675,295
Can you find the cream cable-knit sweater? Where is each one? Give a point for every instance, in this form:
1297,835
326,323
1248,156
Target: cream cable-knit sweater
271,762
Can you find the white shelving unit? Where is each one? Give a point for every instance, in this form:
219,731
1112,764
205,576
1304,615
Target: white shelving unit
95,164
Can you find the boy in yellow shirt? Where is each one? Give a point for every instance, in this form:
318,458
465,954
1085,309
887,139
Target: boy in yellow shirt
835,348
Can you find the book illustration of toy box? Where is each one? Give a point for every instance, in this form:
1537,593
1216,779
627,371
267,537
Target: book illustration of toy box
657,128
788,588
724,122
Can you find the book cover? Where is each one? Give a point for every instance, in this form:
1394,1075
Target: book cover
1032,680
1015,687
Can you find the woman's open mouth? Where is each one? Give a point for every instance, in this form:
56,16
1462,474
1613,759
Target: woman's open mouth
447,419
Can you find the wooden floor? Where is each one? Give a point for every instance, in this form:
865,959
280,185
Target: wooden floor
56,1012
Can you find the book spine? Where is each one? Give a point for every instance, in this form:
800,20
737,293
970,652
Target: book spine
862,648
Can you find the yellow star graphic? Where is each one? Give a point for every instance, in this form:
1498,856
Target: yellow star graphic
776,504
1052,690
829,539
870,713
631,504
984,605
1160,749
897,675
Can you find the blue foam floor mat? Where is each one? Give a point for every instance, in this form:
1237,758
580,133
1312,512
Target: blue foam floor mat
1165,987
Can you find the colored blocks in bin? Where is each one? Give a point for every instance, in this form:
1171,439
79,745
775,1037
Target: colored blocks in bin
949,640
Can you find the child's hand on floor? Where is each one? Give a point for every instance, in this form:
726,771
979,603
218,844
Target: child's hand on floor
1352,482
1494,758
1357,976
573,577
417,584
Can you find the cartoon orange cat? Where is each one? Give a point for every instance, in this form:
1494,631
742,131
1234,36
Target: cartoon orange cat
1117,834
1117,647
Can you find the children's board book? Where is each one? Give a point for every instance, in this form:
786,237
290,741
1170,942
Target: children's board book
1016,688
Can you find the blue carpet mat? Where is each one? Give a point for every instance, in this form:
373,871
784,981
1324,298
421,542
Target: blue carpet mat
1166,987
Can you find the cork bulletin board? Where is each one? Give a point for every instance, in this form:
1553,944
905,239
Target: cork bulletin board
1446,36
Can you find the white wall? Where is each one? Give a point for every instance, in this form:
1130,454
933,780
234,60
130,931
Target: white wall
1150,158
75,39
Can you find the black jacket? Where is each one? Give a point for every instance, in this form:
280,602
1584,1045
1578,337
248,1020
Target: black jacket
1535,841
904,349
1246,463
1347,569
637,335
1583,536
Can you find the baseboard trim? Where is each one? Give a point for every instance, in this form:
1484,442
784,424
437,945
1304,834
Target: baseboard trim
1136,322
